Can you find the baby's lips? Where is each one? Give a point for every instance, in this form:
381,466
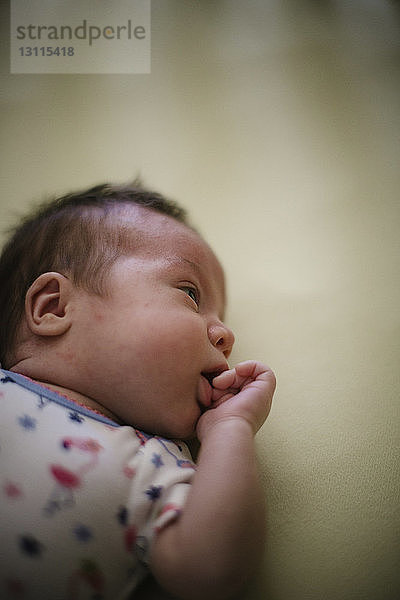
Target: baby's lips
205,386
204,392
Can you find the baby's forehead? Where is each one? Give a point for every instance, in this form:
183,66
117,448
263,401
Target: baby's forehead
150,230
159,236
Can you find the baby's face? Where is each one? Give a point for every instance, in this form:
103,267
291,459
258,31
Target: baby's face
149,344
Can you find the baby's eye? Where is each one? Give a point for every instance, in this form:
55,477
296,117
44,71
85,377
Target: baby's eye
192,292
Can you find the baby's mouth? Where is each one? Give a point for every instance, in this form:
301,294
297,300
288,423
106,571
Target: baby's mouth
210,376
204,392
205,388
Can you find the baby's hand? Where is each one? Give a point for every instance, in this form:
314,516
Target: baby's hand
243,392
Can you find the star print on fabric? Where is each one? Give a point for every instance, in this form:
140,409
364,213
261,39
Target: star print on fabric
82,533
30,545
52,507
122,515
28,423
7,379
154,492
76,417
157,460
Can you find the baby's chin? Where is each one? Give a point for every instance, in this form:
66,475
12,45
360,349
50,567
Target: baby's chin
183,428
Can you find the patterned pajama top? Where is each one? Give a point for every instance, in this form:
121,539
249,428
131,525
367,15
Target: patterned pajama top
81,497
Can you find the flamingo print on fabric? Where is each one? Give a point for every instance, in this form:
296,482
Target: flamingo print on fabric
66,480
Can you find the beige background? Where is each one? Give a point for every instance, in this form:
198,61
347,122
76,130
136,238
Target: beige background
277,124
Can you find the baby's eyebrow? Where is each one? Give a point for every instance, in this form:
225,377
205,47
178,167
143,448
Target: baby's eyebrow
180,260
194,265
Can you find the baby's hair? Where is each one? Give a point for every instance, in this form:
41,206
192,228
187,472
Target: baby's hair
79,235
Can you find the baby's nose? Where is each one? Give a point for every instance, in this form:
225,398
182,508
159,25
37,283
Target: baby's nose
221,337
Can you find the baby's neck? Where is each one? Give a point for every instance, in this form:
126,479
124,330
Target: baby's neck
80,399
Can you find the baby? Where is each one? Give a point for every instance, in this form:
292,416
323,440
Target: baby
114,350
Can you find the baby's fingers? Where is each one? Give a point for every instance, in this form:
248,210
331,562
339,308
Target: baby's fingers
224,380
244,373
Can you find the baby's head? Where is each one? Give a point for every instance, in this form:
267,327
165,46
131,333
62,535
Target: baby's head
110,293
80,235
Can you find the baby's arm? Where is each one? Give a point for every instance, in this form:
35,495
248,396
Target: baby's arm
216,544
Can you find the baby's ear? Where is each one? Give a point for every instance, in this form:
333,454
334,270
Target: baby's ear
46,305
